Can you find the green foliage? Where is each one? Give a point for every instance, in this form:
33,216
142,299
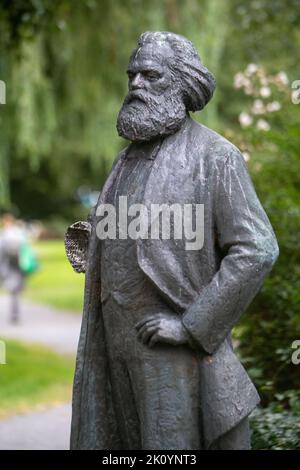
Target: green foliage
268,36
55,284
64,64
273,321
274,428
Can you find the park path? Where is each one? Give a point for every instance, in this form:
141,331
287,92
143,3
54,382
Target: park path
40,324
46,430
59,331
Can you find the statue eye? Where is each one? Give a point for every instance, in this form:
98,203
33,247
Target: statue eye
152,76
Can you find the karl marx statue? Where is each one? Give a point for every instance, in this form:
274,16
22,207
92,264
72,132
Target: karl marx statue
155,366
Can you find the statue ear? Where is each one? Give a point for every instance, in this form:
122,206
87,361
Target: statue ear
76,244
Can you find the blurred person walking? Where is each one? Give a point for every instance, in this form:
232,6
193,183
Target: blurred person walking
16,261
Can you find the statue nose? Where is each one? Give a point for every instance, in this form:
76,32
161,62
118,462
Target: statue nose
137,82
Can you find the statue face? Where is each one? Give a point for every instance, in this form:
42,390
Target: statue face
148,71
154,104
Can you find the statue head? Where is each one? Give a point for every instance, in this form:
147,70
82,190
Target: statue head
166,80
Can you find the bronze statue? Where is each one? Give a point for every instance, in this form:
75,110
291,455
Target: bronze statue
155,365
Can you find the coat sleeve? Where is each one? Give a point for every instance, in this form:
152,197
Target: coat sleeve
249,250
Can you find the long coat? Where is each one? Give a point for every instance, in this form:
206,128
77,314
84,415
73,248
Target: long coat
210,287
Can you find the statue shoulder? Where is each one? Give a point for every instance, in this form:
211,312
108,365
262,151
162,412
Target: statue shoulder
120,155
215,147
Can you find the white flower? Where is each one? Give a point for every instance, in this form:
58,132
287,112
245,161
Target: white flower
265,91
248,90
258,107
238,80
247,83
245,119
274,106
282,78
263,125
261,73
264,81
246,156
251,69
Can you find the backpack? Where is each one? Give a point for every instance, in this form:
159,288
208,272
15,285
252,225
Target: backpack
28,262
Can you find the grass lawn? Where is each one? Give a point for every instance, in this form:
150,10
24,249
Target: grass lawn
55,284
33,376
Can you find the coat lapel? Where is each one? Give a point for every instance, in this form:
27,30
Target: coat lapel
112,176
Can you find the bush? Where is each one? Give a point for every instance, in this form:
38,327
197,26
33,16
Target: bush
275,431
270,139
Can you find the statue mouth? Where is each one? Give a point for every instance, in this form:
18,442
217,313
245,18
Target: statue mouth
135,96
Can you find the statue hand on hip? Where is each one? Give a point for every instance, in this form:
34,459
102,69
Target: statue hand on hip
162,328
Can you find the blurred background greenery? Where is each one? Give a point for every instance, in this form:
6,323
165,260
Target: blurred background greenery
55,284
35,376
64,66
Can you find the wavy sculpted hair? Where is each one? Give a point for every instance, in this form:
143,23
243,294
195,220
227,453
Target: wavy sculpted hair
198,83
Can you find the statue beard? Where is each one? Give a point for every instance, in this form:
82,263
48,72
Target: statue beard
144,116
